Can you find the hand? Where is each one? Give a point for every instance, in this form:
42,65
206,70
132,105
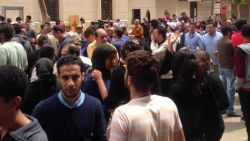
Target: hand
96,75
172,38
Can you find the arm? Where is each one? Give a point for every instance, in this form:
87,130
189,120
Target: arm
97,76
239,63
179,136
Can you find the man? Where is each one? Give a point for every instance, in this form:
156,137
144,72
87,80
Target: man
146,26
146,117
226,66
210,40
237,38
242,85
137,31
117,40
89,37
100,38
193,40
159,43
11,52
59,32
71,115
14,124
46,30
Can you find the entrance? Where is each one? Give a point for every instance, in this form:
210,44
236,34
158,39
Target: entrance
106,9
136,14
193,11
52,9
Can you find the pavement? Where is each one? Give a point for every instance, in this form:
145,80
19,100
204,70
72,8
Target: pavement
234,128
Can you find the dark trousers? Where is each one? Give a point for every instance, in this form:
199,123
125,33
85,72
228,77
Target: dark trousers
245,107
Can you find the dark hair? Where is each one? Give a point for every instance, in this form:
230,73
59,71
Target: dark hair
17,28
130,46
144,68
2,18
212,23
239,23
89,31
69,60
154,23
73,50
42,26
7,29
119,32
46,51
28,17
13,82
9,20
245,30
18,18
161,30
225,30
82,19
41,39
58,28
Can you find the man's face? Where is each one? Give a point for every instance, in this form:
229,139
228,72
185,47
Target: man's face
56,34
191,28
70,79
210,29
102,37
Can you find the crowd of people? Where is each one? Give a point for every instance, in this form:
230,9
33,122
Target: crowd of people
168,79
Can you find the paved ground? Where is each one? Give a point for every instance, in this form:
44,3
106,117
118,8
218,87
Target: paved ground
235,129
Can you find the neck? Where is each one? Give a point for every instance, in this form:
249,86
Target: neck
71,100
19,121
134,94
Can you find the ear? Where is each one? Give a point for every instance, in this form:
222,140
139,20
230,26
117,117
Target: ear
129,81
16,102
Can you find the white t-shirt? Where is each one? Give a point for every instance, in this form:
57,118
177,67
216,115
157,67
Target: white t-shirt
151,118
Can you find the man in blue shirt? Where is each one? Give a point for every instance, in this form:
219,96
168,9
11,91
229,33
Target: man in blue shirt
193,40
210,41
71,115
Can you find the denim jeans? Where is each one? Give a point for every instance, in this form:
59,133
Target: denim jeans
227,77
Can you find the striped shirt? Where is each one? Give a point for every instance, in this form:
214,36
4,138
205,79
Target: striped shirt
151,118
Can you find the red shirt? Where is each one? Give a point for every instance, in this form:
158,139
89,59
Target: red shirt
237,39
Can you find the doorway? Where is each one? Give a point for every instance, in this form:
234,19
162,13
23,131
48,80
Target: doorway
52,9
193,11
136,14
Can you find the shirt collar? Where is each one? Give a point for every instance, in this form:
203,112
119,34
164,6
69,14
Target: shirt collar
78,102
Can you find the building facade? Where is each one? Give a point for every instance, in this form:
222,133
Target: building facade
122,9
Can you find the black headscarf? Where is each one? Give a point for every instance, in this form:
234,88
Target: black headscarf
100,55
44,66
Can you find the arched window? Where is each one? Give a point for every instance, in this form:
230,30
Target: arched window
148,15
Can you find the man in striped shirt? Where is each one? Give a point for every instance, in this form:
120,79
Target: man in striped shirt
146,117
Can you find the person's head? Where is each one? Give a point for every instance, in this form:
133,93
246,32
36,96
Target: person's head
2,18
70,49
118,32
13,85
45,28
226,31
174,16
104,58
42,40
44,66
142,71
9,20
18,19
211,27
145,20
89,34
159,34
136,22
203,60
245,31
153,25
70,76
239,23
172,26
58,31
6,32
82,20
192,27
130,46
47,51
100,36
17,28
28,18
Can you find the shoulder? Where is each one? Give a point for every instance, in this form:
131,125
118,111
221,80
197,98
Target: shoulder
44,104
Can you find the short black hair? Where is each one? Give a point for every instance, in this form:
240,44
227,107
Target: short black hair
212,23
13,82
130,46
59,28
89,31
7,29
46,51
225,30
119,32
73,50
154,23
69,60
2,18
41,39
245,30
239,23
28,17
143,68
18,19
162,30
17,28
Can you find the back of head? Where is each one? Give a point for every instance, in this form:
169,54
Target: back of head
245,31
13,82
73,50
204,58
7,30
143,68
154,23
58,28
225,30
44,66
17,28
69,60
239,23
47,51
119,32
162,31
89,31
130,46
